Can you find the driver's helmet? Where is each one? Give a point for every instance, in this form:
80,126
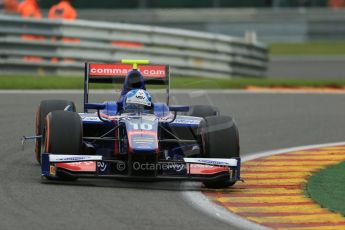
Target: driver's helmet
137,100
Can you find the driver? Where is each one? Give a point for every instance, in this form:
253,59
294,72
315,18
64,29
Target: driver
137,100
134,80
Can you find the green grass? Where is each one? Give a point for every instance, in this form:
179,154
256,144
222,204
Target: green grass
327,187
42,82
51,82
240,83
310,48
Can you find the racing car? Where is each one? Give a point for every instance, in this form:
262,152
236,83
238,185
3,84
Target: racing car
133,137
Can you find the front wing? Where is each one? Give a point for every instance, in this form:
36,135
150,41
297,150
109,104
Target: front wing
94,166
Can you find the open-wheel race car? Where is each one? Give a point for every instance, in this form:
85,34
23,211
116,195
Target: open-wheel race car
135,138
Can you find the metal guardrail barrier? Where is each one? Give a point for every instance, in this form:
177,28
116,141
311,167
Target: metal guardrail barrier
271,24
188,53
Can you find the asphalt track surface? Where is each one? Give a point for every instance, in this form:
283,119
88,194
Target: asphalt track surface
306,67
266,122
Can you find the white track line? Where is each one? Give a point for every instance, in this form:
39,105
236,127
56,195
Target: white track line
210,208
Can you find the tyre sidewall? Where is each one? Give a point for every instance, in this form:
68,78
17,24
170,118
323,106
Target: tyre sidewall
44,108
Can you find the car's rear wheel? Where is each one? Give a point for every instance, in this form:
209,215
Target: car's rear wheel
44,108
219,139
63,135
203,111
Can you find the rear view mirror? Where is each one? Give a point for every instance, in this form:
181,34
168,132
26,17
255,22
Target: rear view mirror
179,108
96,106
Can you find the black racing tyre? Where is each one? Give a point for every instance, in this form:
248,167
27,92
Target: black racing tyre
219,139
63,135
203,111
44,108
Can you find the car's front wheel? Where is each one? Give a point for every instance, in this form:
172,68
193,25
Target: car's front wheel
63,135
45,107
219,139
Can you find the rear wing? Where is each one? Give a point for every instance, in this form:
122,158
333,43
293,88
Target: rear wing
116,73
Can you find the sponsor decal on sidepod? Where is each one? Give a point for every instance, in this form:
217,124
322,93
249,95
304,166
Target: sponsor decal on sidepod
186,121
